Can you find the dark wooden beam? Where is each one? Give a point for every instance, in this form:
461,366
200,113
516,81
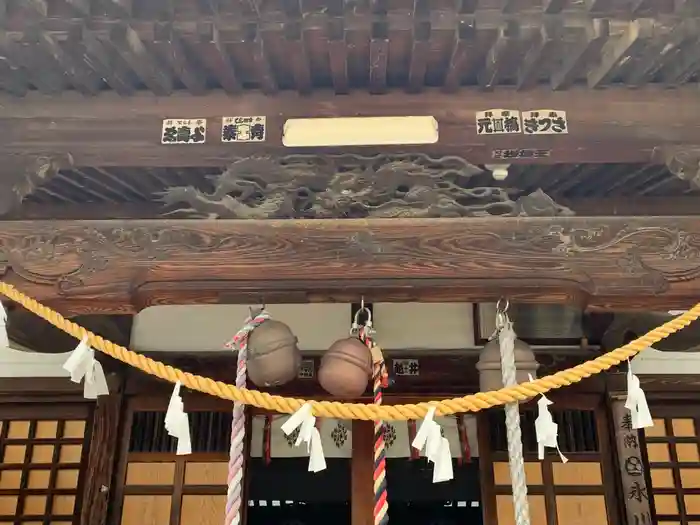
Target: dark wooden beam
615,53
101,461
298,56
81,8
362,466
211,47
38,7
126,43
548,40
90,45
338,61
615,125
124,266
172,51
463,55
420,55
378,58
13,77
504,47
83,78
264,72
441,375
594,36
118,8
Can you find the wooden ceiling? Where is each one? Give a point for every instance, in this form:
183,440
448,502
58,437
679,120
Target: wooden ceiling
271,45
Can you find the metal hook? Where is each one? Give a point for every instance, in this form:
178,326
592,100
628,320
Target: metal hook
501,316
259,309
356,322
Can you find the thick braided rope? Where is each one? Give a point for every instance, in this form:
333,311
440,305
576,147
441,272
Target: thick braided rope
363,411
381,501
506,339
236,463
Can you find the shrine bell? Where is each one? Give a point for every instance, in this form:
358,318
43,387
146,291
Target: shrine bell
273,354
489,365
346,368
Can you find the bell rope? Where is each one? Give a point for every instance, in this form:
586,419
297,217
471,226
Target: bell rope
506,339
379,380
236,459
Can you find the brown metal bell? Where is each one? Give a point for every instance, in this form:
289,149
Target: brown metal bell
346,368
273,354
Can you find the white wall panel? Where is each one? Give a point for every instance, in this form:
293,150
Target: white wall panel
656,362
207,328
430,326
16,363
400,326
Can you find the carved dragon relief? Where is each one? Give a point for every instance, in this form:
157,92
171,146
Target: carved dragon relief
649,256
352,186
682,161
26,176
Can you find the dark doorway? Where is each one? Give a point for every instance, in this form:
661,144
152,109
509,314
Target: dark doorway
286,493
415,500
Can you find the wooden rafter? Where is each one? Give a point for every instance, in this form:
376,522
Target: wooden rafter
111,267
197,45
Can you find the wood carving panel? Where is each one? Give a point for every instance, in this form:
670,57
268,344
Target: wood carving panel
351,186
112,265
683,162
20,178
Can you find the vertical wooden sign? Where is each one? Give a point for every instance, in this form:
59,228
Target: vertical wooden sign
631,465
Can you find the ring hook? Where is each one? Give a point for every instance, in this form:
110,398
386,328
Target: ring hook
259,309
502,305
356,321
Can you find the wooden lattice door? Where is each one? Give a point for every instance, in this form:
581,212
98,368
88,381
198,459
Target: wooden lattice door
673,459
156,487
43,449
579,492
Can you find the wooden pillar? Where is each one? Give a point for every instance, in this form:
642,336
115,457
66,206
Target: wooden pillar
102,456
247,447
489,506
635,493
362,500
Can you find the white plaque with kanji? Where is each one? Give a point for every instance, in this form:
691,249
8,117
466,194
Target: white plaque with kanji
184,131
243,129
545,122
498,122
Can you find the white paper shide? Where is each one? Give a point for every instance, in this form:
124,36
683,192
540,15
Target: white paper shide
82,365
637,402
546,430
4,341
177,423
304,420
431,443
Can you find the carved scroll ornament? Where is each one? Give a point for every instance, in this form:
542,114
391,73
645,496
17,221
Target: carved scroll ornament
611,257
352,186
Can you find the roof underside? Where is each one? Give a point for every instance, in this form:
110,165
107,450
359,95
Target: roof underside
343,186
271,45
